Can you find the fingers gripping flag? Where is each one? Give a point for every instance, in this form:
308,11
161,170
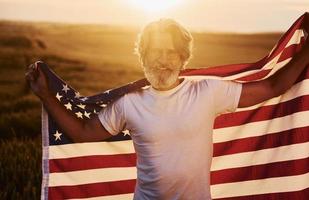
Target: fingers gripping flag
260,152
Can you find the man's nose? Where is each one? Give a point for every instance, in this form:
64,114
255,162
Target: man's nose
163,58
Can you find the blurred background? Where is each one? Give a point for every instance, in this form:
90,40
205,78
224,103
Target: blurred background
90,45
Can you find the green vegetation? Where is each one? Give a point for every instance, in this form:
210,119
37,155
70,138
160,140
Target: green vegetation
20,172
91,59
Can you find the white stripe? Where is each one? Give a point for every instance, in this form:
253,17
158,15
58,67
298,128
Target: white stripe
45,155
276,68
263,186
253,129
273,63
91,148
297,90
111,197
283,153
92,176
296,38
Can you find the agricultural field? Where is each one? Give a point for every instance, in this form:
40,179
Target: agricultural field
91,58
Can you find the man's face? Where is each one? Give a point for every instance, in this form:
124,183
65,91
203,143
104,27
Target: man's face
162,62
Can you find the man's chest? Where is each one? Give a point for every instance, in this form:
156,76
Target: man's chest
166,122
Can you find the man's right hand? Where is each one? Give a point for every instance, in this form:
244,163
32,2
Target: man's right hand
78,130
37,80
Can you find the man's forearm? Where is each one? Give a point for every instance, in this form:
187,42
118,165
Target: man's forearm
287,76
70,124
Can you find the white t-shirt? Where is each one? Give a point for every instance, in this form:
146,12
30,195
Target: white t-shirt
172,135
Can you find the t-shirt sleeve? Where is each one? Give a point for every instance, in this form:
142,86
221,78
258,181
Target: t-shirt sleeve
112,117
226,95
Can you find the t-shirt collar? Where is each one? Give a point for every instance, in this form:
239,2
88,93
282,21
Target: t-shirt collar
167,92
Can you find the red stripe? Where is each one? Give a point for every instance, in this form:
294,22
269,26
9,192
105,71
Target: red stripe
270,170
92,162
255,76
289,52
263,113
295,195
222,71
287,36
289,137
92,190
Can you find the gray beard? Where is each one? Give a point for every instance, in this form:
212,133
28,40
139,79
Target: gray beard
161,78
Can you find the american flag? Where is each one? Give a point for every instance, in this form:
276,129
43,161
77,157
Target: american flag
260,152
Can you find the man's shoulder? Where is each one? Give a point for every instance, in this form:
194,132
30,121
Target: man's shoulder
137,93
207,83
213,82
196,81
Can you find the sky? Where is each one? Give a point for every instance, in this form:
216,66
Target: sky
198,15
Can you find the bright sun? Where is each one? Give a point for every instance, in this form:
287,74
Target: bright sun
154,5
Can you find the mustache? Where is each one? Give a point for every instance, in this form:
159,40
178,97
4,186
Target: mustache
162,67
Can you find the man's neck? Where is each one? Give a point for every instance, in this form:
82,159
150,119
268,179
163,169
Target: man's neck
178,81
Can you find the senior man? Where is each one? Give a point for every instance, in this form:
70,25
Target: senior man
171,121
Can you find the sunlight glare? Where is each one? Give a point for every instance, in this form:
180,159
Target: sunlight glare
155,5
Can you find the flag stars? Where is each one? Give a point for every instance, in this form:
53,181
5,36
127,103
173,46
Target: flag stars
65,88
94,111
145,87
58,96
68,106
103,105
57,135
84,98
77,95
82,106
79,115
87,114
126,132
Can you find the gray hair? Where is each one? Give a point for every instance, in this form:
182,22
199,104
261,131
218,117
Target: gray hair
182,39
